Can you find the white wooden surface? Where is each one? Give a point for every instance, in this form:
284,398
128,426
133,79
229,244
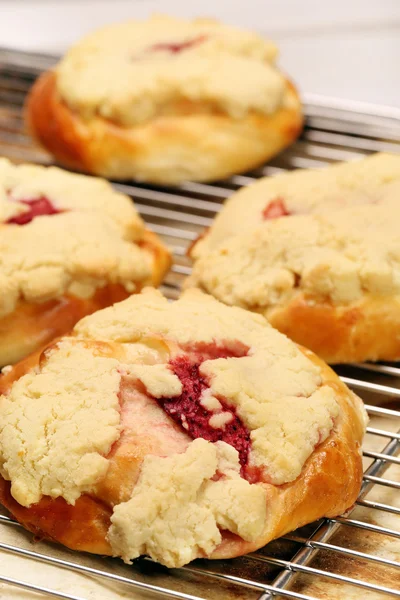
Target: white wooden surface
347,49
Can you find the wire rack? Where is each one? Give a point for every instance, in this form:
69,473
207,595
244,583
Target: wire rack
356,555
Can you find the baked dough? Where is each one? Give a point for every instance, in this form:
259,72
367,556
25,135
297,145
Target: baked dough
69,245
165,100
214,433
318,254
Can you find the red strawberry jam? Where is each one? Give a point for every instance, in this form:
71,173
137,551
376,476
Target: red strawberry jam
37,208
275,209
176,48
187,409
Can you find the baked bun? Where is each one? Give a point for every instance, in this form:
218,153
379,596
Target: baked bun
318,254
214,433
69,246
165,100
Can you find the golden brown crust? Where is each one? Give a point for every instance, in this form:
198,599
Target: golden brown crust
53,125
32,326
197,142
361,331
329,484
79,527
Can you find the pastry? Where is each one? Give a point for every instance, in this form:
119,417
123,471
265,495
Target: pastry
318,254
165,100
214,433
69,245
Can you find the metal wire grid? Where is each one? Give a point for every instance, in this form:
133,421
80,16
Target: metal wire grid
310,559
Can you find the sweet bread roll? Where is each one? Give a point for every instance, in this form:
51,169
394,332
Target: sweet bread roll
214,433
318,254
165,100
69,245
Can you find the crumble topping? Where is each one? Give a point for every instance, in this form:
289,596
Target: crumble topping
330,256
176,510
132,71
66,191
48,444
372,180
65,233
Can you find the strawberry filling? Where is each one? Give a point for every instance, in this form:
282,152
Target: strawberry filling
176,48
37,208
188,410
275,209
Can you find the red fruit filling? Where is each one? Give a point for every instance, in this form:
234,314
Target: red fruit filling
275,209
176,48
37,208
187,409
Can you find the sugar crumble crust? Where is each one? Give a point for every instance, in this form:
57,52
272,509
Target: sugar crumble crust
337,242
48,445
332,257
131,72
176,510
88,240
373,179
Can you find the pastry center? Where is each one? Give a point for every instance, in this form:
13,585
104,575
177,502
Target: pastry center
275,209
37,208
201,415
177,47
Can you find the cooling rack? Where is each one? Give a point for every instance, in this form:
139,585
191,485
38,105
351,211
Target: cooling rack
356,555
